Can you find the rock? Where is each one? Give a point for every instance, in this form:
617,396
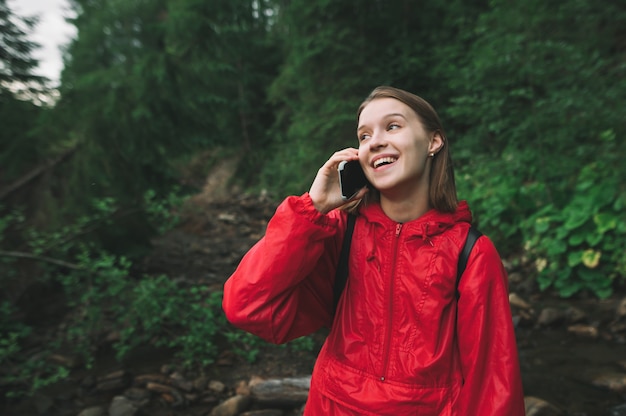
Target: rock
518,302
208,398
200,383
93,411
523,318
515,278
615,382
167,369
216,386
254,380
617,327
575,315
64,360
551,317
539,407
232,406
618,410
586,331
117,380
227,217
180,382
282,392
144,379
138,396
121,406
171,395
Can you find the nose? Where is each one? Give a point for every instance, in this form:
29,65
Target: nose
377,140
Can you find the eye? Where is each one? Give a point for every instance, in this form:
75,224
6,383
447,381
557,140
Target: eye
393,126
364,136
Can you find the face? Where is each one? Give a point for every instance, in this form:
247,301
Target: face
394,147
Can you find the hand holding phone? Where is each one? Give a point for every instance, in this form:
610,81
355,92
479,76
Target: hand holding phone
351,178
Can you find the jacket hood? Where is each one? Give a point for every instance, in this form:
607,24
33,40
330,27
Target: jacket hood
428,225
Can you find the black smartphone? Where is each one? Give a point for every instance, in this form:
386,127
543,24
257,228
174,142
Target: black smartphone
351,178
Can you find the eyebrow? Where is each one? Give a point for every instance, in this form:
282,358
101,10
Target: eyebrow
361,127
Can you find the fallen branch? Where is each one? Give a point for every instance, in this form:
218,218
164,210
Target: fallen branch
35,173
44,259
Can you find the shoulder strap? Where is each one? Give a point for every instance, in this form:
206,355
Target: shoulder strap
341,275
472,235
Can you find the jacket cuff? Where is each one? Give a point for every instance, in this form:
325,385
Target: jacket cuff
303,205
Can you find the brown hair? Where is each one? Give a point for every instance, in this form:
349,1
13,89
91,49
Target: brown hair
442,188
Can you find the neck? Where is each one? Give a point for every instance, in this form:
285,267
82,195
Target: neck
404,209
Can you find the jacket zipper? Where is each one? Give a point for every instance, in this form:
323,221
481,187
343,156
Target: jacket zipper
387,344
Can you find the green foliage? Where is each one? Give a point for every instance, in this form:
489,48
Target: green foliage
531,94
21,93
496,200
23,375
244,344
162,212
152,82
248,346
330,67
20,148
105,298
17,63
160,311
98,286
305,343
581,246
535,102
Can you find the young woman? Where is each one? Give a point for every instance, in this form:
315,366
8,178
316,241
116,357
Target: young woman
401,341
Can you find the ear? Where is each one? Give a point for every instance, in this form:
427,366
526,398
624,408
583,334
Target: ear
436,143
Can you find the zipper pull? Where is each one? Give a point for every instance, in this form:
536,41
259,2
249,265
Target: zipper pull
398,228
425,236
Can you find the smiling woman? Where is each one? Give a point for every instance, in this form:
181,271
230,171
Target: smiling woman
394,347
397,154
51,32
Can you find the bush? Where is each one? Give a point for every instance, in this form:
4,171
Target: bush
581,245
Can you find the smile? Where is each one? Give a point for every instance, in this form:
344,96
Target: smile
383,161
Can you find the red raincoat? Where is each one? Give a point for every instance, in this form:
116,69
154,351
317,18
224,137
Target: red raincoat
400,343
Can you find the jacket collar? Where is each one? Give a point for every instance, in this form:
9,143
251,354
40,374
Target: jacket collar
430,224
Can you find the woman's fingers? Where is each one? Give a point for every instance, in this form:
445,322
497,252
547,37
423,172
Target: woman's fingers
325,191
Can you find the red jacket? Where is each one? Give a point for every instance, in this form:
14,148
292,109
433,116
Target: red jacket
395,347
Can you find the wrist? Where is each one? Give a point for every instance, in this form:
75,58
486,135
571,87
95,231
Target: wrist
320,207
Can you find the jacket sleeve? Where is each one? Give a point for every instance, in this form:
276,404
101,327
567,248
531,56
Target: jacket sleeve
487,345
282,288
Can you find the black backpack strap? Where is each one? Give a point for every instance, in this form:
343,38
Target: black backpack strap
341,275
472,236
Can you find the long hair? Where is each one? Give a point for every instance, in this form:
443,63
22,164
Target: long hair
442,188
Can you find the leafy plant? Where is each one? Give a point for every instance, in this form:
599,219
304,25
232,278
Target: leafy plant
581,246
100,292
164,212
160,311
23,373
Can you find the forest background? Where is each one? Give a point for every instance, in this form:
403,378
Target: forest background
153,92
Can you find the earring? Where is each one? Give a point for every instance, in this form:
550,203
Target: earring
432,155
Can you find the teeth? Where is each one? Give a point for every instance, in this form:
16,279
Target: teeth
384,161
